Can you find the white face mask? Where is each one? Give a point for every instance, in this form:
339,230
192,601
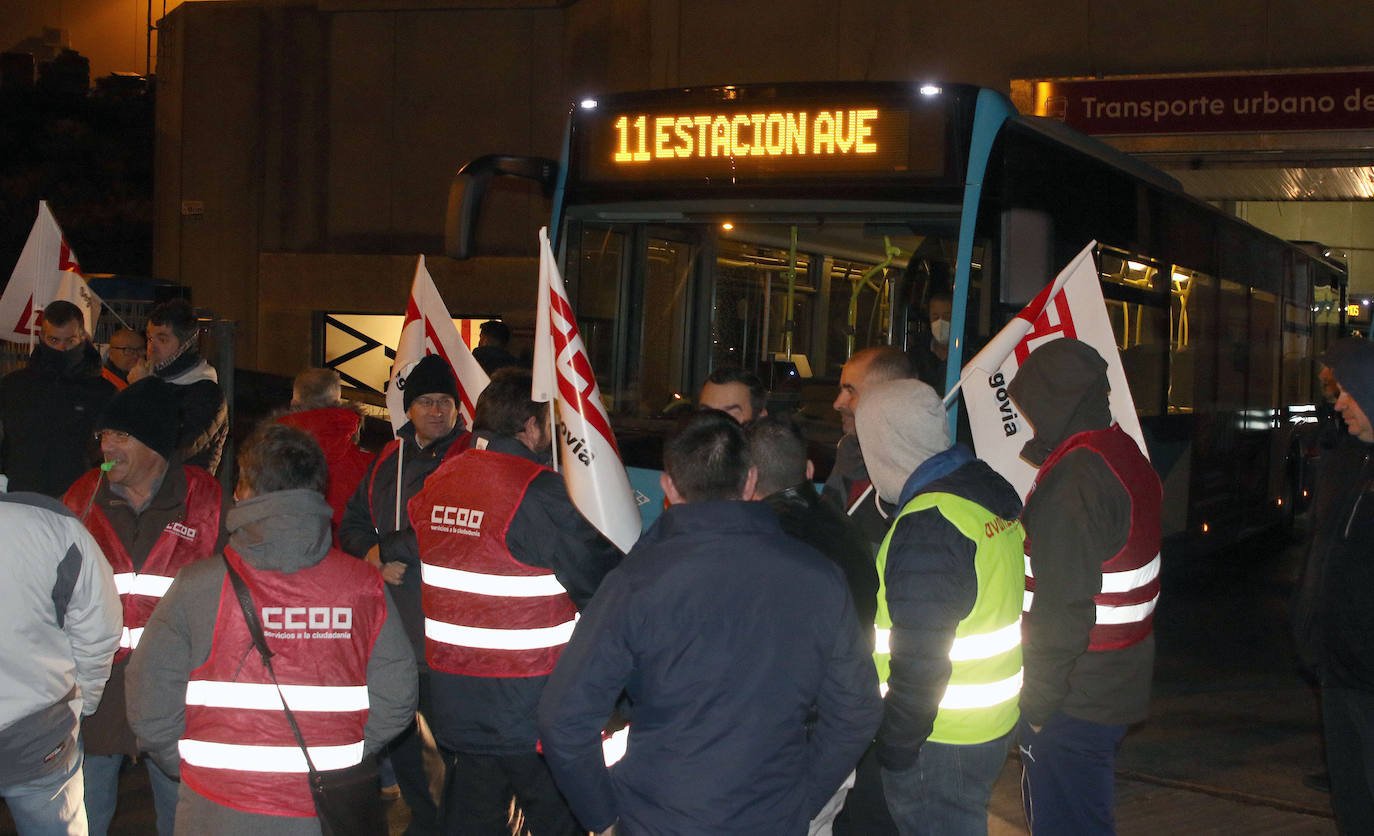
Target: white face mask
939,331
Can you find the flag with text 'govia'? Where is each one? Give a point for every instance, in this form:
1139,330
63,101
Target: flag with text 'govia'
428,329
1072,306
584,442
47,270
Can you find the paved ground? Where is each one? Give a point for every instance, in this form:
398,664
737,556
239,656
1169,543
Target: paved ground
1233,727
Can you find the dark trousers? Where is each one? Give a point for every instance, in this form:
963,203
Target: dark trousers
1068,776
1348,720
478,792
865,810
407,753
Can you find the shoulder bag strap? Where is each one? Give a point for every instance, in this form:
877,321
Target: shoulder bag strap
250,615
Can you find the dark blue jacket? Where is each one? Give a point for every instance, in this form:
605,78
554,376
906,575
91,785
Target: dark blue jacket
731,640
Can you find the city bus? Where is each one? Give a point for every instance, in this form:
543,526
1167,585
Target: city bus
782,227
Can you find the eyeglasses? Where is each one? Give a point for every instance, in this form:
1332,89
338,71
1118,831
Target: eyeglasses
111,435
436,402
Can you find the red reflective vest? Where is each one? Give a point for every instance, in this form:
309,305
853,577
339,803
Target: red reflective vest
184,541
486,613
1130,578
320,624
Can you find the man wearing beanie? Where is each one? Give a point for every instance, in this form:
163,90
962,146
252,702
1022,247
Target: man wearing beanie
1092,522
950,575
375,527
1346,625
151,515
174,356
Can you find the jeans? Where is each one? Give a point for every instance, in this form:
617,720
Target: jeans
1068,777
946,792
51,805
102,793
1348,723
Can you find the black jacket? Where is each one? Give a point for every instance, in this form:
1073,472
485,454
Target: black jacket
496,715
1345,530
932,585
834,535
728,636
1076,519
48,415
370,520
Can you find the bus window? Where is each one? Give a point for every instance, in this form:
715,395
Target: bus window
665,306
749,312
1233,353
1192,384
598,278
1263,388
1141,324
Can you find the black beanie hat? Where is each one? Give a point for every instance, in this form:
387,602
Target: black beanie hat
430,376
146,410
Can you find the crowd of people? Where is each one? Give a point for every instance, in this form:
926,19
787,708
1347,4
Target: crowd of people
854,660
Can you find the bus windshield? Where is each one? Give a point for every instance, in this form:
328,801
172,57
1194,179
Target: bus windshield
660,305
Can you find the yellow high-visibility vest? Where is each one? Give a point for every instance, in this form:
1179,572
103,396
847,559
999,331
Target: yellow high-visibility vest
981,701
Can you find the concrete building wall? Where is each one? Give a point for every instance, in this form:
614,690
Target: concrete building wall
333,129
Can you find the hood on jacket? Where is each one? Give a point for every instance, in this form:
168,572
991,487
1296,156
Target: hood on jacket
1354,371
282,531
959,472
1061,389
901,423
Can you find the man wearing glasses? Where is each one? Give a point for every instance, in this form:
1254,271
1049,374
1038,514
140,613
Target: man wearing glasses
127,349
151,515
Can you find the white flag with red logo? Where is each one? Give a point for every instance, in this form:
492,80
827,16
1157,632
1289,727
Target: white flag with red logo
46,271
1072,306
428,329
586,446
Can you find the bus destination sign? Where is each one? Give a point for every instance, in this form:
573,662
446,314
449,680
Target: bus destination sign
759,143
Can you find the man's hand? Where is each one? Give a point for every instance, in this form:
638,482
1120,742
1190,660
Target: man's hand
610,831
374,556
393,572
140,370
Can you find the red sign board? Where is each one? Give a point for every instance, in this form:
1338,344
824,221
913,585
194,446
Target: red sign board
1298,101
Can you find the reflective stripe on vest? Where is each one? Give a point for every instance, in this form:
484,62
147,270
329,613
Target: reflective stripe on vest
491,638
243,758
1124,606
264,696
502,586
1115,583
980,699
134,583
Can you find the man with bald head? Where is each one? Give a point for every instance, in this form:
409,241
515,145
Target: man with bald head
127,349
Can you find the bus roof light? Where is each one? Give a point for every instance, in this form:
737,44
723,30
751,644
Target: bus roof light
930,90
588,103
